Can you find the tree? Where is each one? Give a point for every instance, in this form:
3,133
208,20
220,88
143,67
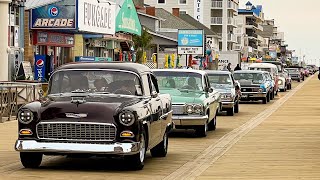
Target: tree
142,43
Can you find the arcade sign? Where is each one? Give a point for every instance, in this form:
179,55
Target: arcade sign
54,16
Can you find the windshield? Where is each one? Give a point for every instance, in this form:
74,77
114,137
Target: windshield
95,81
220,80
293,70
254,77
261,69
179,80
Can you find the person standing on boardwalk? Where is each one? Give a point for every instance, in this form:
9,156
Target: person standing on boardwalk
237,68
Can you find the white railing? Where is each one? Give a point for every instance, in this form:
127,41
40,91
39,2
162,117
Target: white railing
216,20
216,4
219,5
232,5
231,21
232,38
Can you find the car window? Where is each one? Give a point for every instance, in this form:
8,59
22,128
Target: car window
179,80
152,83
220,80
254,77
95,81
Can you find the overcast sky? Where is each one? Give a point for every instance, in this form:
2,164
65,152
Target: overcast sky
298,19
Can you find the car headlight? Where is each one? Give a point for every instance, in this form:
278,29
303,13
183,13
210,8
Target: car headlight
126,118
25,116
198,108
280,82
189,108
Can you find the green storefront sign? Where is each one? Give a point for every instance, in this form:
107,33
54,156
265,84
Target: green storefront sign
127,19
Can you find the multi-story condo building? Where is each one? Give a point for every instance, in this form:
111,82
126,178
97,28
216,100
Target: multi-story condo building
211,16
249,31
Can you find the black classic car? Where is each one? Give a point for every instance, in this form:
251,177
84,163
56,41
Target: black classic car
97,109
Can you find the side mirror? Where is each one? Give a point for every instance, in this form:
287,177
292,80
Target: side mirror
154,94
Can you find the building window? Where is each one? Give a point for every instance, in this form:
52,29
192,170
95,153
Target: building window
183,12
161,1
182,1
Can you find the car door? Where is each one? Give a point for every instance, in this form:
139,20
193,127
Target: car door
156,110
211,98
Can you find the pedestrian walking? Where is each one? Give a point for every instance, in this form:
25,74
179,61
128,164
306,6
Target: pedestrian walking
229,67
237,68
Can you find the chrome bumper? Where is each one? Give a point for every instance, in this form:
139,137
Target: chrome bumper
227,105
189,120
246,95
70,148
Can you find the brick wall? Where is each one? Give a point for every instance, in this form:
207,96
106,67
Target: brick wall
28,48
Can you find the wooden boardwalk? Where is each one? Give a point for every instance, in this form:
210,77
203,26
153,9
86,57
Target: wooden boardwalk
285,146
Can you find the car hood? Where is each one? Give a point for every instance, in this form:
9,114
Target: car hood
179,97
94,108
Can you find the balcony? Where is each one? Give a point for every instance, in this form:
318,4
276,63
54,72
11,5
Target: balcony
219,5
231,37
219,21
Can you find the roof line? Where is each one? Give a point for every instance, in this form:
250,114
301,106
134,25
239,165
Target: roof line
150,16
162,36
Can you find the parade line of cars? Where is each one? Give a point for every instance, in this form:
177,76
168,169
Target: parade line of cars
126,109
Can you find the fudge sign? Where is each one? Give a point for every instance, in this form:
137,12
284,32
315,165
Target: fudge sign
96,17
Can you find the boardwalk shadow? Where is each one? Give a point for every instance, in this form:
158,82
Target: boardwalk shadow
92,164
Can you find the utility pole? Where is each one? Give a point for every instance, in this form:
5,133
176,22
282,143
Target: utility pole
4,19
224,25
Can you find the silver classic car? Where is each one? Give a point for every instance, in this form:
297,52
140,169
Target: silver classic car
229,89
194,103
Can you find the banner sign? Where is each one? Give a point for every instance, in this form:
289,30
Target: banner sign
190,41
40,67
54,16
190,50
198,10
127,19
97,17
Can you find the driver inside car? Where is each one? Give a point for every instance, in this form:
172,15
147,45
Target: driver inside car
193,83
100,84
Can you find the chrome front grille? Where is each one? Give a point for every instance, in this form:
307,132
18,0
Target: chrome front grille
76,131
178,109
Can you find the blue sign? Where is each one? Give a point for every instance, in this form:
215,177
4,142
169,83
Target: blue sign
40,67
190,38
84,59
60,15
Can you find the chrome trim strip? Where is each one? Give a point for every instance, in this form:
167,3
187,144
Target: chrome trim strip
70,148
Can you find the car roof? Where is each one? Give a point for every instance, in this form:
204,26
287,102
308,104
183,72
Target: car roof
248,71
217,72
180,70
273,62
263,65
127,66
